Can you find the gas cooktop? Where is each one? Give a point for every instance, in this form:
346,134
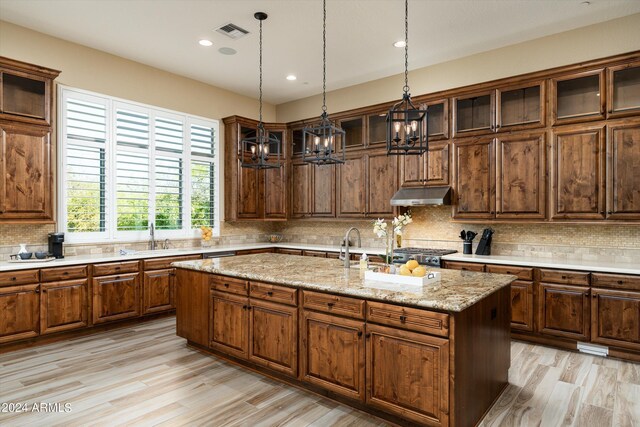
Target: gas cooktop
424,256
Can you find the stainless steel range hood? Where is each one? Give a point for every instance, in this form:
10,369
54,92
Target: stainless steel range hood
422,196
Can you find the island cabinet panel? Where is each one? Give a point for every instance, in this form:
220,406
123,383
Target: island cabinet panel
116,297
158,290
192,306
408,318
577,171
351,186
63,306
323,203
564,311
521,190
19,312
408,374
333,304
623,170
230,324
273,293
273,336
300,190
332,353
615,317
474,178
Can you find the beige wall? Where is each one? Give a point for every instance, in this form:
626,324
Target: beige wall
592,42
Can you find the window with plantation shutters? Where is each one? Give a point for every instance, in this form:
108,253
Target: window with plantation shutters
127,166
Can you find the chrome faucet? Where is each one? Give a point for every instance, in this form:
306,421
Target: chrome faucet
345,242
152,237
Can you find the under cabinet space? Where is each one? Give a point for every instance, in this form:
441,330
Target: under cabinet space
521,106
624,89
579,97
473,113
377,128
24,96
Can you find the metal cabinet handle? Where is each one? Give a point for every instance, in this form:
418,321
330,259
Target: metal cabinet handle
403,319
564,277
270,293
226,285
367,335
359,333
330,304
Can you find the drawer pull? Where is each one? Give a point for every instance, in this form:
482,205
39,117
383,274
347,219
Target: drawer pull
244,307
620,282
117,268
330,304
14,279
37,291
226,285
564,277
66,273
403,319
359,333
270,293
367,335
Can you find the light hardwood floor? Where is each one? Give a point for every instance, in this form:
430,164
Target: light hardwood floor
145,375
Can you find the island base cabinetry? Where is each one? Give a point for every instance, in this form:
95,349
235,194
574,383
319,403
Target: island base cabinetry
403,364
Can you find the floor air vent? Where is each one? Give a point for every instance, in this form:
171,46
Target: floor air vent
596,350
232,31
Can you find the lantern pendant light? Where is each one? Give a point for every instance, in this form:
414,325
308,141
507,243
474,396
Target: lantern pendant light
406,123
261,151
324,142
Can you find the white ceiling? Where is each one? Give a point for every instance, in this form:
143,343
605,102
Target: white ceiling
360,34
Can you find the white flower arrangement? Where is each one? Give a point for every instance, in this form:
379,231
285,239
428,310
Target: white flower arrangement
400,222
382,230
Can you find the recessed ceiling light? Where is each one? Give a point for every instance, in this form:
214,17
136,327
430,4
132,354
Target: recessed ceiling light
291,77
205,42
227,51
399,43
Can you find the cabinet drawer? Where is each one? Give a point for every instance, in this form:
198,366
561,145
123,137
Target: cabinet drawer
616,281
333,304
408,318
564,277
115,268
316,254
466,266
162,263
273,293
229,284
64,273
19,277
289,251
523,273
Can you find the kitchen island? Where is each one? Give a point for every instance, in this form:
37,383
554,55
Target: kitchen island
430,355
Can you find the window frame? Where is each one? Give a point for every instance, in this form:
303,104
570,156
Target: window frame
111,104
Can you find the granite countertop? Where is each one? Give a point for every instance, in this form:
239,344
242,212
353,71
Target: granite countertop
455,291
554,263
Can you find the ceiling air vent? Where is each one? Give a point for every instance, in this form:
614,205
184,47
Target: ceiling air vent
232,31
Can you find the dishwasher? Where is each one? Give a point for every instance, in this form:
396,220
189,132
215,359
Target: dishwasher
209,255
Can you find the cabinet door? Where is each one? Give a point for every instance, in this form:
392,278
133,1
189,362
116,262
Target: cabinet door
382,183
437,119
158,291
351,186
578,97
623,170
408,374
615,317
577,169
564,311
275,193
323,203
116,297
474,114
474,185
25,173
273,336
521,106
229,324
333,353
300,189
19,312
521,190
63,306
437,171
248,193
522,305
413,170
623,90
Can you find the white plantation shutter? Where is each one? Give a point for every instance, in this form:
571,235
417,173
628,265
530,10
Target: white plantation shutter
128,165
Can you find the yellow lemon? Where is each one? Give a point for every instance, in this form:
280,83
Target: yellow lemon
412,264
419,272
404,271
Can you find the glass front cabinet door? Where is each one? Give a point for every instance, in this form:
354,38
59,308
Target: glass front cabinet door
578,97
623,91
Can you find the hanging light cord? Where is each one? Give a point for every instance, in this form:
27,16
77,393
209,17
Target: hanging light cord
260,72
324,56
406,46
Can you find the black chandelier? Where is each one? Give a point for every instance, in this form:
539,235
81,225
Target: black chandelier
261,151
324,142
406,123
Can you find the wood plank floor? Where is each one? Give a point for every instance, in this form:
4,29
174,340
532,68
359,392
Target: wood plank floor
144,375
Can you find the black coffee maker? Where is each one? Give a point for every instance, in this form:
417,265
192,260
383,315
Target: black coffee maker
55,245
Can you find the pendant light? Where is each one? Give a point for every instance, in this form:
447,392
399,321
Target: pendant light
261,151
406,123
324,142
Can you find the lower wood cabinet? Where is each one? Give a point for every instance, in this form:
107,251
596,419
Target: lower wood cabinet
564,311
333,353
273,336
229,324
615,317
63,306
408,374
19,312
116,297
158,290
522,305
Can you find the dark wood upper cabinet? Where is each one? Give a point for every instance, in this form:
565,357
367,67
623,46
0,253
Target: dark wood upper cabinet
474,178
354,132
275,191
248,191
521,106
474,113
352,177
521,190
382,183
623,90
615,318
437,168
301,189
578,97
323,202
437,119
377,128
623,169
297,141
413,170
577,172
25,173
